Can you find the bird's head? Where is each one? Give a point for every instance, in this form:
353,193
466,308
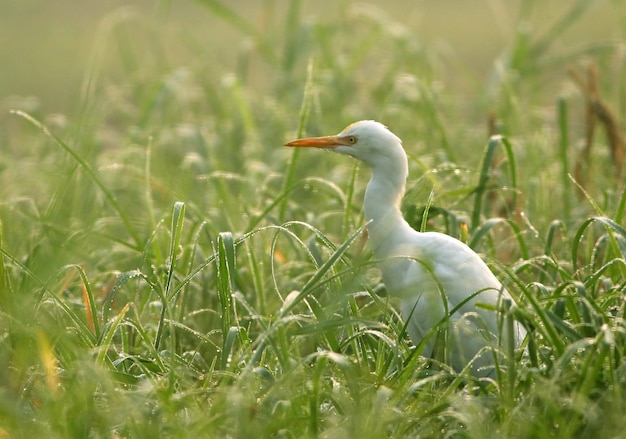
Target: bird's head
366,140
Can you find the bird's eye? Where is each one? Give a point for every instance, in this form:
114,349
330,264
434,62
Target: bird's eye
351,139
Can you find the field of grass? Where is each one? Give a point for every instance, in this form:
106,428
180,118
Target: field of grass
168,269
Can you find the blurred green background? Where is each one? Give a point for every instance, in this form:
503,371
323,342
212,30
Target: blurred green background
48,48
134,109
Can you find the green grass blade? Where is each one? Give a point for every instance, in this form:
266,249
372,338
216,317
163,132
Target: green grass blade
427,207
227,347
109,333
178,218
555,227
92,312
488,158
611,227
120,281
81,328
313,282
226,271
563,150
298,296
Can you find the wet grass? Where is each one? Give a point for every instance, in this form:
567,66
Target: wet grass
168,269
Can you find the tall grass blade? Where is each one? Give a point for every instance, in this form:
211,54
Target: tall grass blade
90,303
178,218
427,206
227,347
488,158
226,271
555,227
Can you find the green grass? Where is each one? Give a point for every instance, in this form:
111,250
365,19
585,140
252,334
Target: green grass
168,269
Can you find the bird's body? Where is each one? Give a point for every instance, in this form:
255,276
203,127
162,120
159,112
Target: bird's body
431,273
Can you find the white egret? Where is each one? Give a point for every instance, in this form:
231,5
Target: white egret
431,273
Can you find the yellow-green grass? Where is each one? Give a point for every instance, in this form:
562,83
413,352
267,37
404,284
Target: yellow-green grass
168,269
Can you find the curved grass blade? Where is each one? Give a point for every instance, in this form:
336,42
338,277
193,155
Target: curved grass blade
227,346
546,327
178,217
611,226
295,298
225,286
555,226
109,333
313,282
488,158
82,328
120,281
427,207
90,303
135,323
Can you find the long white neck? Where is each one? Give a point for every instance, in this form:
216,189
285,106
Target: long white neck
383,196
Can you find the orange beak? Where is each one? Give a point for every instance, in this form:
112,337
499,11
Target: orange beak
319,142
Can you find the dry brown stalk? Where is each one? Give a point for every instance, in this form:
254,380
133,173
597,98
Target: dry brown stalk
597,110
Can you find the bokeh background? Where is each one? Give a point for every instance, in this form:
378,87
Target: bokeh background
155,233
48,49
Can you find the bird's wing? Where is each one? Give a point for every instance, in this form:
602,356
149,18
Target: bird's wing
462,274
438,274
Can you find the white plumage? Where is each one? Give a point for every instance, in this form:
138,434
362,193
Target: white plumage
431,273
